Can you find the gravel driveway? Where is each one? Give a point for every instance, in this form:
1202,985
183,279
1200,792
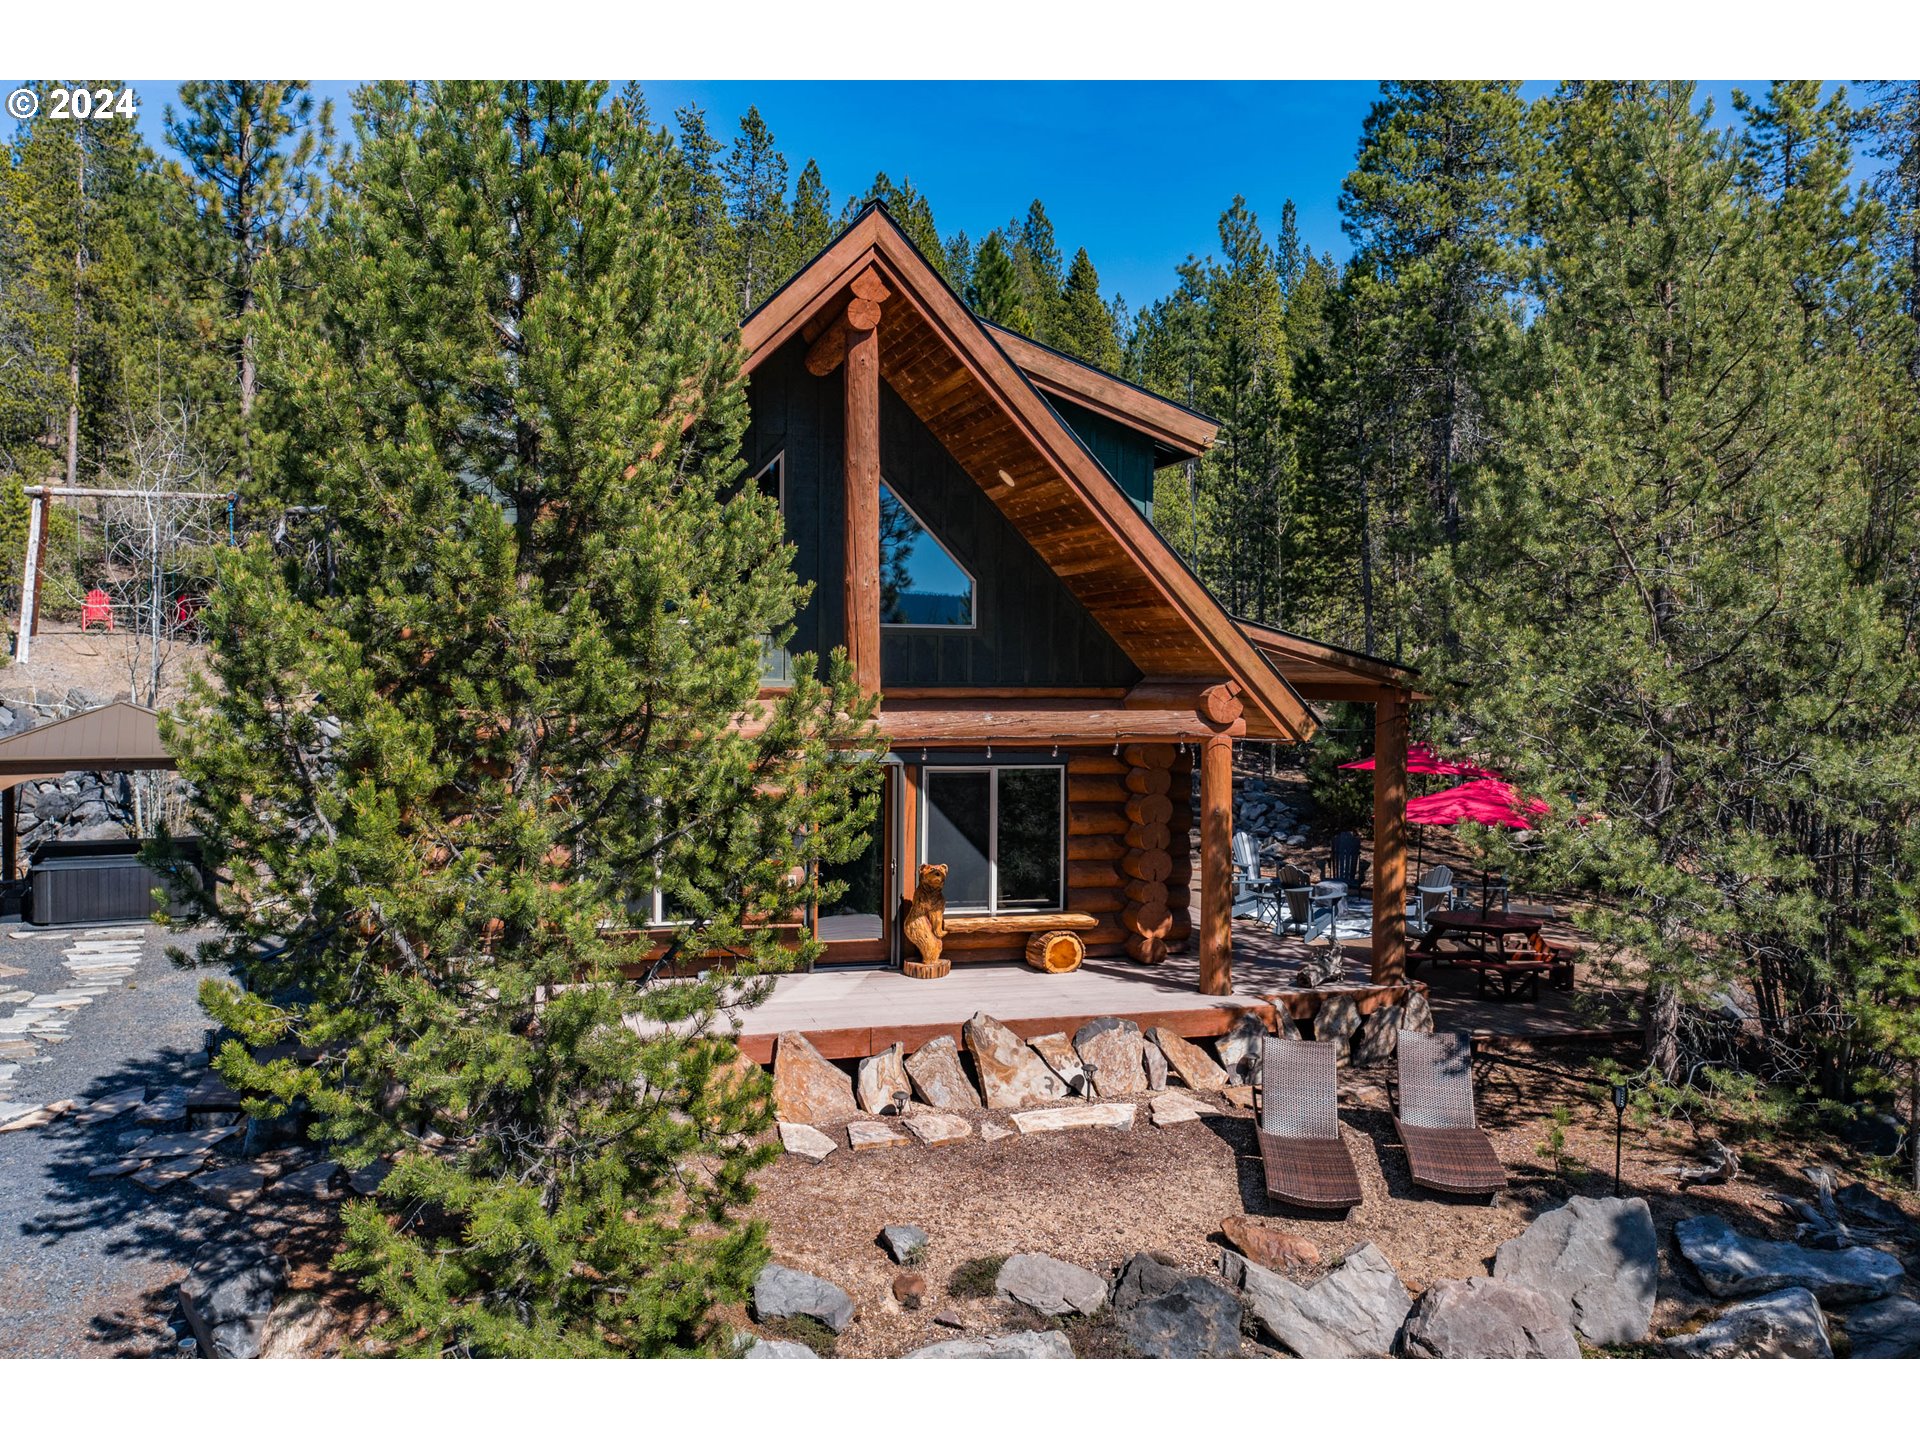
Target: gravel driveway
88,1268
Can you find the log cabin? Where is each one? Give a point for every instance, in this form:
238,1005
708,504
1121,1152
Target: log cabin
974,511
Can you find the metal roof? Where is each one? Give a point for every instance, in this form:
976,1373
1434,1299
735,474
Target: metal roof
119,736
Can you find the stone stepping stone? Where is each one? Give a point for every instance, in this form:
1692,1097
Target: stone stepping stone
313,1182
166,1147
806,1142
1078,1117
235,1186
367,1179
865,1135
938,1129
1171,1107
991,1130
162,1173
111,1107
1023,1345
14,997
113,1169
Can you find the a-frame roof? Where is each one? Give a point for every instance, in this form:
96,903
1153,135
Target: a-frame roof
958,378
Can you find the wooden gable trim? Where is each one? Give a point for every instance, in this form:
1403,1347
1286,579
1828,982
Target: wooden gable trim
1183,431
1313,666
874,239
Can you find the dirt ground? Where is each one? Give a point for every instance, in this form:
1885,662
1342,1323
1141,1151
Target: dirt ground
1097,1197
62,658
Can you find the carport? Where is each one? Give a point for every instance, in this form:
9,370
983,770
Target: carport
120,736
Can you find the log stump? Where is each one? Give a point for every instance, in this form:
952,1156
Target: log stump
1147,949
926,969
1055,951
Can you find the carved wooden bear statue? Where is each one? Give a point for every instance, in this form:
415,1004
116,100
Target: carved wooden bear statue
926,922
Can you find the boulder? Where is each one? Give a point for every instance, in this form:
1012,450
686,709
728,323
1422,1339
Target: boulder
1057,1050
903,1242
804,1141
369,1177
227,1294
1338,1020
1786,1325
1885,1330
1267,1245
1731,1265
1116,1052
1597,1260
883,1086
1198,1319
808,1087
935,1128
1012,1074
1870,1209
910,1289
1146,1276
234,1186
1077,1117
1239,1048
312,1182
863,1135
1053,1287
781,1294
1154,1060
1416,1013
1351,1312
1483,1319
939,1079
1024,1345
1187,1060
1878,1132
764,1349
1379,1036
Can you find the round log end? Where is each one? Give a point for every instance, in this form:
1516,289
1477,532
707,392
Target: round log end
1055,951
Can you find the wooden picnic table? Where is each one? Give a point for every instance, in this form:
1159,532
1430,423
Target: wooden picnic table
1500,973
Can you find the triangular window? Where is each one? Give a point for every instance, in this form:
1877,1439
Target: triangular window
921,583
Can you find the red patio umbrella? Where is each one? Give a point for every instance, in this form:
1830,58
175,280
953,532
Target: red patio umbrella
1421,760
1484,801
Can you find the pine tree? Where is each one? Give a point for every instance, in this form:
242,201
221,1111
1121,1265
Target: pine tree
443,781
696,200
810,226
78,212
755,174
1658,607
253,155
993,290
1430,206
1036,260
1084,326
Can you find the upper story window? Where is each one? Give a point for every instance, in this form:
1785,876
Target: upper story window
920,581
776,666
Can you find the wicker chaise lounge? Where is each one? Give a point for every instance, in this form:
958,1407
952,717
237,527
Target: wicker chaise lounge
1305,1160
1446,1149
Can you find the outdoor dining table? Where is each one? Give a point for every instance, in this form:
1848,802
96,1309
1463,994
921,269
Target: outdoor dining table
1483,934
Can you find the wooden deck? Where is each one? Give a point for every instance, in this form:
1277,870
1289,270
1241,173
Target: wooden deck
849,1014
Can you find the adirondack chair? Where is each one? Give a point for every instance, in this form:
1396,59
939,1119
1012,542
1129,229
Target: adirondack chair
96,609
1434,892
1296,901
1347,867
1252,893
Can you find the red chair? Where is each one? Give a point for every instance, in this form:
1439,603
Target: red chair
96,609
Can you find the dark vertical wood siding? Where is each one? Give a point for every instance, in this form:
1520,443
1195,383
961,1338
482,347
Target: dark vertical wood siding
1124,454
1030,630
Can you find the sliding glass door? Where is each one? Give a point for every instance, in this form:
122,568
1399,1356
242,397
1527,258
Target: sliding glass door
1000,830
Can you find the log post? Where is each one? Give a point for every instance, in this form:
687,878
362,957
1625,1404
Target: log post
863,495
1216,866
1390,839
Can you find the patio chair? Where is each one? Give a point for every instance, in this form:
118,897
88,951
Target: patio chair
1446,1149
1305,1160
1326,903
1434,892
1296,900
1347,867
1252,894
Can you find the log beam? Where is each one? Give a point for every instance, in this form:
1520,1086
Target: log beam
1390,839
1217,702
863,504
1216,866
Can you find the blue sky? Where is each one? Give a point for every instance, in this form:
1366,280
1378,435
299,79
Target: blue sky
1138,172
